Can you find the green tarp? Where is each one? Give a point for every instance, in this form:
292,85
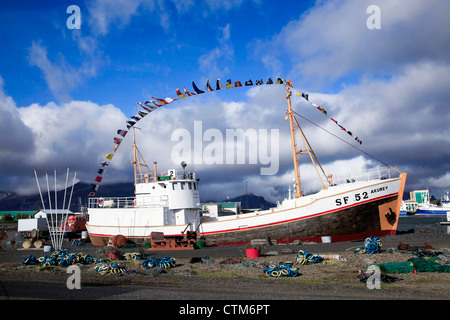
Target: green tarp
419,264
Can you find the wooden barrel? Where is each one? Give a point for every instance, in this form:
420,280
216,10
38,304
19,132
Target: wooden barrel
37,244
26,244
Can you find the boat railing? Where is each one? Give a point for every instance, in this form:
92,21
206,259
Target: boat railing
370,174
128,202
112,202
147,178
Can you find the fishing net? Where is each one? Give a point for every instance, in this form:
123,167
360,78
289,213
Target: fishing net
397,267
429,265
420,264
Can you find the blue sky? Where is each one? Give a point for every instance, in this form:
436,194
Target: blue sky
148,50
64,93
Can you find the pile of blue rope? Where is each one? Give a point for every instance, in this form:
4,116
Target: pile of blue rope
31,260
62,258
305,257
281,270
163,263
372,245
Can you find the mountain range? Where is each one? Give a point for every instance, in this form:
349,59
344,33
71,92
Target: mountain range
9,201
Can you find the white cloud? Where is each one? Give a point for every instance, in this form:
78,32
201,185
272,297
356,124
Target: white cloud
401,120
217,60
332,40
118,12
61,77
441,182
16,135
104,14
407,110
73,130
43,137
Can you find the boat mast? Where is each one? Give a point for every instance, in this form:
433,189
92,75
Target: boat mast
137,162
134,157
298,190
295,152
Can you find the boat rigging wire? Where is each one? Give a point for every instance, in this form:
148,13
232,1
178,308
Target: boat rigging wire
327,131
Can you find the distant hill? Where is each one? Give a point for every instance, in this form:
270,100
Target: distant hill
10,201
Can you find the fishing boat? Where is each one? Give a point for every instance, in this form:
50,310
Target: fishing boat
168,204
408,208
429,208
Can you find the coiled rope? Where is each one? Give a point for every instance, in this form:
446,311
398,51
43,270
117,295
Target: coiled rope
305,257
31,260
372,245
62,258
281,270
104,269
132,256
163,263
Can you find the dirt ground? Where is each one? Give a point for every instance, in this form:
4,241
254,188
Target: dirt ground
225,273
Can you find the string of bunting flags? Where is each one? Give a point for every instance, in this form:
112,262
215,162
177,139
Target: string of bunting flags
321,109
150,106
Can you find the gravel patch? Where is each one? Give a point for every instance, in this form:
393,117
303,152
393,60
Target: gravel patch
227,272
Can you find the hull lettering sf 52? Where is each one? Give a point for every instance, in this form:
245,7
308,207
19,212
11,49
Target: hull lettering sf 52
357,196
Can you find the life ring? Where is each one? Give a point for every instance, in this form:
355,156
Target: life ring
101,202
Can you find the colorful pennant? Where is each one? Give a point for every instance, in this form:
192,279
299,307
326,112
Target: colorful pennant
321,109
